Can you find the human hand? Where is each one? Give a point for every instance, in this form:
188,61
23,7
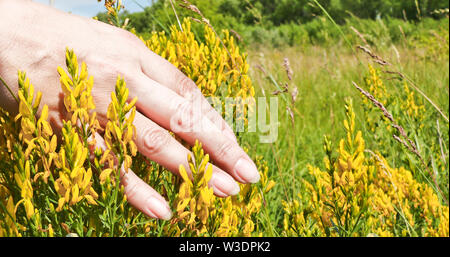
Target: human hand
33,38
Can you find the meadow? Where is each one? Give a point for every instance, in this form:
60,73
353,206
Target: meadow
362,146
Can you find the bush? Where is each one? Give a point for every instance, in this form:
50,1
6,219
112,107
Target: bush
50,189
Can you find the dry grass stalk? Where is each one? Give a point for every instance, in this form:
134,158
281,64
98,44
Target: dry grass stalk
374,101
381,163
360,35
413,85
294,94
236,35
401,141
375,57
409,144
176,15
261,68
382,62
277,92
290,73
403,34
191,7
287,67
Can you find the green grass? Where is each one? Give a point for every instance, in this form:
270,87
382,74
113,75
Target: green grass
324,78
325,61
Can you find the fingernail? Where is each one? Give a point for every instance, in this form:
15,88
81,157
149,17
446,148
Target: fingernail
247,171
224,185
157,209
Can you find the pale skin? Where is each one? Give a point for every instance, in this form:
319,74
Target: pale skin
33,38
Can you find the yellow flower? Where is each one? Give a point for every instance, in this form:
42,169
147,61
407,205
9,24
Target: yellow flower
74,182
364,192
120,131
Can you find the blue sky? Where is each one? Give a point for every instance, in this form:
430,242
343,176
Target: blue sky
90,8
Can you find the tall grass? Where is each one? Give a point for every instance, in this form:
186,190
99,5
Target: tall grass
323,76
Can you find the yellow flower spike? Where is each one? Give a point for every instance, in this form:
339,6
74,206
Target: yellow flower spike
83,72
86,179
76,172
184,191
205,57
208,174
105,156
182,205
130,105
75,192
27,190
61,203
93,193
117,131
105,174
29,208
269,186
37,100
184,175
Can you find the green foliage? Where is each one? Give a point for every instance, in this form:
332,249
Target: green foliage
299,22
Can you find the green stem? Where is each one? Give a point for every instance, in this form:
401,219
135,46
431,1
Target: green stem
335,24
9,89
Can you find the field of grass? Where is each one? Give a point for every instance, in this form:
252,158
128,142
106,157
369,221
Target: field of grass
362,147
324,79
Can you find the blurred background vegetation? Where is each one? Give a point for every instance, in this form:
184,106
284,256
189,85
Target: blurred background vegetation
297,22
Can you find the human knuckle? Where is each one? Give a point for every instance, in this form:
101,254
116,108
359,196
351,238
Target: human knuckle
186,86
155,139
226,151
184,117
132,189
127,35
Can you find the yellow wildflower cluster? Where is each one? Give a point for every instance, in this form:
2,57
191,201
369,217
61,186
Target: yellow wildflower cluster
376,88
77,90
7,216
200,213
218,70
216,66
407,104
119,138
411,120
84,180
238,214
36,134
359,195
74,182
30,149
194,201
113,7
414,109
32,158
120,131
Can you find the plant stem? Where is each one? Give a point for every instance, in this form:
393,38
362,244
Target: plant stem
9,89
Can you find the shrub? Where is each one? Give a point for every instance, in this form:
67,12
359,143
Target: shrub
48,189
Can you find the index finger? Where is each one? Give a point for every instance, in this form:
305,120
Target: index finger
168,75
